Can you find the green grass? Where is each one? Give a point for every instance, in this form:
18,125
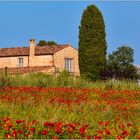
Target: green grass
63,80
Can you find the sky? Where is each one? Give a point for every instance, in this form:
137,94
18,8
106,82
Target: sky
59,21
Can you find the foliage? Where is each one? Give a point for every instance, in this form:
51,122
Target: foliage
63,79
120,64
92,43
51,43
42,43
138,72
46,43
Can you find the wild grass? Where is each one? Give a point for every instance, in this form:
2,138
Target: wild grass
64,79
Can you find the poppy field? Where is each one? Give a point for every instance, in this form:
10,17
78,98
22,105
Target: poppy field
70,113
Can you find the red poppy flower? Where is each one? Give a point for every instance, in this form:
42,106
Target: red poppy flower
138,137
100,123
97,137
129,124
48,124
106,123
34,122
32,129
118,137
18,121
117,119
14,132
88,137
44,132
100,132
58,130
10,124
124,132
7,136
58,124
20,131
82,130
107,131
73,125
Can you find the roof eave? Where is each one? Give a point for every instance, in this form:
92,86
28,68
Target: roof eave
14,55
44,54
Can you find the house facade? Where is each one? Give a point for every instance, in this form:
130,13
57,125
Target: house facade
40,58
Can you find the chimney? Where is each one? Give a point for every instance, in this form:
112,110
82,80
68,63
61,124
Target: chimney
32,47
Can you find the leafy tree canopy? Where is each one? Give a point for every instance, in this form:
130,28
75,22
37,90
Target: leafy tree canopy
46,43
123,56
120,64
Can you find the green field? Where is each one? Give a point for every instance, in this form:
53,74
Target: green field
43,106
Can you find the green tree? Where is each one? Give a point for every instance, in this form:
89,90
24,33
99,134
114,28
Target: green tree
92,43
42,43
46,43
120,63
51,43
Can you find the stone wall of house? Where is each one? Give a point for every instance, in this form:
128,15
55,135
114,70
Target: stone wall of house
25,70
68,52
40,60
13,61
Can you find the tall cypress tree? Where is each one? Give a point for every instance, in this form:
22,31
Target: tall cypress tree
92,43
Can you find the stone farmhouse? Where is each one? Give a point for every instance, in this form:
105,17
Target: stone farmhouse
51,59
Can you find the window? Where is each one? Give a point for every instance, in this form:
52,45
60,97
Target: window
20,62
68,64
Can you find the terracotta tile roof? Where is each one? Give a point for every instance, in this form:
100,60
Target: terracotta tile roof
49,49
24,51
14,51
